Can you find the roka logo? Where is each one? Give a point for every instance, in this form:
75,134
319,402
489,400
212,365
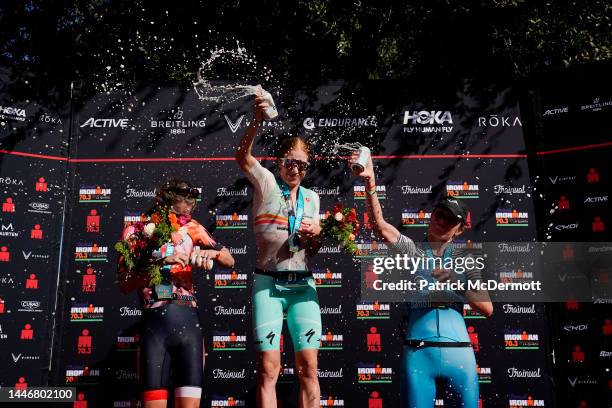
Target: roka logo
106,123
233,125
428,117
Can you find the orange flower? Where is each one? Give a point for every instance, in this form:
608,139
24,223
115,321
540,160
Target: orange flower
155,218
174,221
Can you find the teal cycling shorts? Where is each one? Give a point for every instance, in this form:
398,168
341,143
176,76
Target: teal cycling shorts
303,315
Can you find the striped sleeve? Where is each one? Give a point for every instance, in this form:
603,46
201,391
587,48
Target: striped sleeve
403,245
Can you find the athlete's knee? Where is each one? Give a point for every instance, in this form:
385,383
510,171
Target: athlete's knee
307,371
269,370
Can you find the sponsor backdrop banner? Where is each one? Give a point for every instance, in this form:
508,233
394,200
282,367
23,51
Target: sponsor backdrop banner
462,139
574,206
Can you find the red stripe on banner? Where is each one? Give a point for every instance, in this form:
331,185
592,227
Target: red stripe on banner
37,156
155,395
270,222
572,149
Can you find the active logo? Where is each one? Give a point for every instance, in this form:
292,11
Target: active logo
107,123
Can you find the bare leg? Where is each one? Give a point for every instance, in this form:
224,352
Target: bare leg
269,369
306,364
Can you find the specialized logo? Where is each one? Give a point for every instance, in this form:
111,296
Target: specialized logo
83,312
270,337
94,194
311,123
373,310
87,252
521,340
230,279
127,343
459,189
228,341
412,218
371,249
359,192
332,341
326,278
499,121
514,218
12,113
106,123
309,334
416,189
374,374
232,221
428,121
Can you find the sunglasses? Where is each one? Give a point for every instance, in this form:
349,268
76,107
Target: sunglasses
291,163
187,192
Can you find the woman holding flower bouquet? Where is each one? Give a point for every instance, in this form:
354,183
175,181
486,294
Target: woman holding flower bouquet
287,231
156,259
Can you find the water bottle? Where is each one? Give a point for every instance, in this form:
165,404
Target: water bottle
270,112
358,166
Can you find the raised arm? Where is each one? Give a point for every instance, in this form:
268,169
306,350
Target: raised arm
244,153
382,228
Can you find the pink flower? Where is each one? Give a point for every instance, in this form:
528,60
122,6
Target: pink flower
184,219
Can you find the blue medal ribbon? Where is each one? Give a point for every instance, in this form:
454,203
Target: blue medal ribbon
295,217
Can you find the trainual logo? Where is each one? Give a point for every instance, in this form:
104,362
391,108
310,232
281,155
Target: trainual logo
133,193
514,372
514,309
230,311
228,374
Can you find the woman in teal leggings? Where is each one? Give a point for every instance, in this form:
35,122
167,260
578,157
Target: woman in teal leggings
437,345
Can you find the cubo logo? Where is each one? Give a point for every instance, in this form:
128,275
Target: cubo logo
412,218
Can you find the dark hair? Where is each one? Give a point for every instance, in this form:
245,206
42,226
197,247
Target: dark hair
175,190
290,143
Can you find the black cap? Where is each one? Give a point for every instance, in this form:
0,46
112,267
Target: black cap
456,207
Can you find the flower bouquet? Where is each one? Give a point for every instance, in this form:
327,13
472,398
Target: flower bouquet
341,225
140,250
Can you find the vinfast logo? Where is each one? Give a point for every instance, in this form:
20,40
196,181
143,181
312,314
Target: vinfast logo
106,123
311,123
12,113
230,311
40,208
428,121
575,327
416,189
231,192
234,126
220,373
556,111
499,121
22,357
566,227
228,341
586,380
32,255
514,372
596,199
502,189
597,105
562,179
515,309
29,306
